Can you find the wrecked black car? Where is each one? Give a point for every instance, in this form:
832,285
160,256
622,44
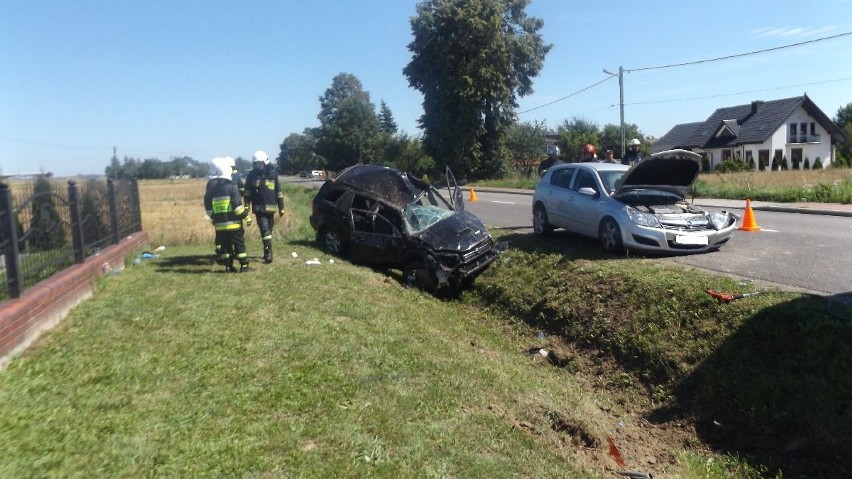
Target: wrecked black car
378,215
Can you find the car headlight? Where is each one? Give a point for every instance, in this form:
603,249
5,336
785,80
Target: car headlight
642,218
719,219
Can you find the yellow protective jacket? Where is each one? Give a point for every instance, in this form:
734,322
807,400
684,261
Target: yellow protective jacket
224,205
263,192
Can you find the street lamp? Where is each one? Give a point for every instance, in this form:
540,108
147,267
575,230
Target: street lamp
620,76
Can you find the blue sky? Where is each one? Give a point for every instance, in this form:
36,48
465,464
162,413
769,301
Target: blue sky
157,79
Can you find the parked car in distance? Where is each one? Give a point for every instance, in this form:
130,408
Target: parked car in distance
378,215
317,174
642,207
303,174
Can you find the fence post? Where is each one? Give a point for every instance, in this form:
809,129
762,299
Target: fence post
10,235
76,222
137,205
113,211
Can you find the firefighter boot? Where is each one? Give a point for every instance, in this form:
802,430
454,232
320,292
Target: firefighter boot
267,251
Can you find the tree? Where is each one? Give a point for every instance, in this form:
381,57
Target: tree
575,133
348,124
610,137
527,141
471,60
297,153
386,121
95,228
46,230
843,120
406,154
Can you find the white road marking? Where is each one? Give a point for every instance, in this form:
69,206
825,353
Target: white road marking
503,202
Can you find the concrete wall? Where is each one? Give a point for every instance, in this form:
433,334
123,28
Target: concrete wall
42,306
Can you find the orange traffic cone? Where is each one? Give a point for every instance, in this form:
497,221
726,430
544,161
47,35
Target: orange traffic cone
749,224
472,195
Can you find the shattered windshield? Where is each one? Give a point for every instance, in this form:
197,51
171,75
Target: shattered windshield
429,209
418,218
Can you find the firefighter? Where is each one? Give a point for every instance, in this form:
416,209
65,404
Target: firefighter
225,209
264,196
236,177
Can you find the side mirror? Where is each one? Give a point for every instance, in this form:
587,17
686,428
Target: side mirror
588,192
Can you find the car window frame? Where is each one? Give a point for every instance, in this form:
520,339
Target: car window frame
559,175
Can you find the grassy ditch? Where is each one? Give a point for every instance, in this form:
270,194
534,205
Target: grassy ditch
335,370
768,376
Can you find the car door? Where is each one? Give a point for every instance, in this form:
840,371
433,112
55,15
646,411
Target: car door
584,209
556,197
375,237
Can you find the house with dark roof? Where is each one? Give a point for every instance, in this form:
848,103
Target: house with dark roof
762,132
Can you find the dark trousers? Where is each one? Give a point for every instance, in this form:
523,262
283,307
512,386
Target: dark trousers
230,245
265,221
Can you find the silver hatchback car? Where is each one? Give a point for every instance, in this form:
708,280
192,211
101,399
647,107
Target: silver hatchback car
642,207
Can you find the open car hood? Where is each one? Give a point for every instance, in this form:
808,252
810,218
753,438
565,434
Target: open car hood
673,171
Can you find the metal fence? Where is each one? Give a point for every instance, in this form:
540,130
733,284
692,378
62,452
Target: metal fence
46,226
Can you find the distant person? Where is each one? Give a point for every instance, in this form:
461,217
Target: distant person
590,153
632,156
552,159
263,194
609,156
225,208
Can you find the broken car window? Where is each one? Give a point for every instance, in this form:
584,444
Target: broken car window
418,217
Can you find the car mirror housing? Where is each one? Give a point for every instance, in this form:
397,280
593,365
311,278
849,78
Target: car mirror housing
588,191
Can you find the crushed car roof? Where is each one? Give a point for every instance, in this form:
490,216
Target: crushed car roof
673,170
382,181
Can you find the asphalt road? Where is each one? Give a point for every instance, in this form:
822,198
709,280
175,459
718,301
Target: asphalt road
801,252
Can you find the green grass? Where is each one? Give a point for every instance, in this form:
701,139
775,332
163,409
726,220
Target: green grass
173,369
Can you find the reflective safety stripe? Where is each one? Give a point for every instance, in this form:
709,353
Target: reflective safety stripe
239,210
270,185
242,255
230,225
221,204
267,237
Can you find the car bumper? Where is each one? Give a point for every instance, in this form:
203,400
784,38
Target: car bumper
674,240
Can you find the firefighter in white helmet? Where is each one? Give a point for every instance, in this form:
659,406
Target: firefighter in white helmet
225,209
263,195
632,156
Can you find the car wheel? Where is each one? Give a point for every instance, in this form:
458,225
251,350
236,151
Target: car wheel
610,236
540,225
415,274
332,241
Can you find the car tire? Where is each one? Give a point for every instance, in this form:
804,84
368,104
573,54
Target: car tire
415,274
609,235
541,226
332,241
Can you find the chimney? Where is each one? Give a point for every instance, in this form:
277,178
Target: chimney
755,105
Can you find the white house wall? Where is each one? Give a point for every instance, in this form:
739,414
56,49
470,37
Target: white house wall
778,141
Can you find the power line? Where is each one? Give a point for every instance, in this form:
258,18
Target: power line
567,96
696,62
728,57
738,93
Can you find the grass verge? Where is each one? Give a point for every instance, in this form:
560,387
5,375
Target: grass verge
335,370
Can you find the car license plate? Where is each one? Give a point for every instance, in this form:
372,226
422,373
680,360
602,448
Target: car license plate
691,240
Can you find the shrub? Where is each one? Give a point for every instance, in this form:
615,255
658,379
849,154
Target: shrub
47,231
784,165
817,164
730,166
807,165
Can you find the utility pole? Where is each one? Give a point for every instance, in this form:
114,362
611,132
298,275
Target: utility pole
620,102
